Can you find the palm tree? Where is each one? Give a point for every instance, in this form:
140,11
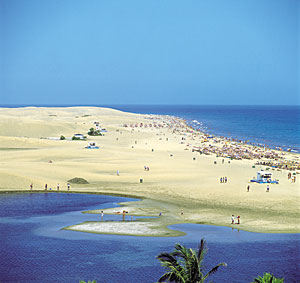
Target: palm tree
186,265
268,278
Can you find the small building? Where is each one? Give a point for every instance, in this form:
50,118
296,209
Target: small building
79,136
263,176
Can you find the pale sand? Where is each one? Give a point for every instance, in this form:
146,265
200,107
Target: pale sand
173,183
124,228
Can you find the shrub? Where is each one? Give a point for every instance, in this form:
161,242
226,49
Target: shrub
62,137
75,139
93,132
77,180
268,278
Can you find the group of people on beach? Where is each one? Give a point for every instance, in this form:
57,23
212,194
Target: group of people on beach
292,178
50,189
146,168
221,146
223,180
267,190
237,219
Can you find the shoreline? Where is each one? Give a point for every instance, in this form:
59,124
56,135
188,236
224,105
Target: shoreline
185,166
162,227
188,122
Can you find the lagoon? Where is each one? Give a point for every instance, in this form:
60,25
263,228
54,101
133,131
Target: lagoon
34,248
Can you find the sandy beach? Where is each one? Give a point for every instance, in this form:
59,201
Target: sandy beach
174,170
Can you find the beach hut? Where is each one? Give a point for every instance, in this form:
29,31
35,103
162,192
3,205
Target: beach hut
264,177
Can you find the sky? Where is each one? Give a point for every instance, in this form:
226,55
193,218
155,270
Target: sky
94,52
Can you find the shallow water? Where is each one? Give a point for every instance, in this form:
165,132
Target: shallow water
34,249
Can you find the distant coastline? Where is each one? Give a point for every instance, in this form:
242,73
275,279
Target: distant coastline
274,126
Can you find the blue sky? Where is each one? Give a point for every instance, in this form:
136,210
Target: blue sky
149,52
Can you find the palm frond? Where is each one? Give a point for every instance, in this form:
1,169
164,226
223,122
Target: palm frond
185,265
201,250
214,269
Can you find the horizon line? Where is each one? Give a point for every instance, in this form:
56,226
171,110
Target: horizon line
112,105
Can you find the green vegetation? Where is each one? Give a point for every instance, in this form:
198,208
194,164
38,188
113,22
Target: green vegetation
86,115
268,278
62,137
93,132
77,180
185,265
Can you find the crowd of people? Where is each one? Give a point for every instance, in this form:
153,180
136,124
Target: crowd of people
221,146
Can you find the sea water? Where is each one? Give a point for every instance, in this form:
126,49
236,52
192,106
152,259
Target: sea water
34,248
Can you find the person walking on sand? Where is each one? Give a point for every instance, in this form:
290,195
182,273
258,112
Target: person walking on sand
68,185
225,179
268,188
238,219
248,188
58,186
181,212
232,219
31,186
118,173
46,187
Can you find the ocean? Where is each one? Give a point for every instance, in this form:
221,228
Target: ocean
274,126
